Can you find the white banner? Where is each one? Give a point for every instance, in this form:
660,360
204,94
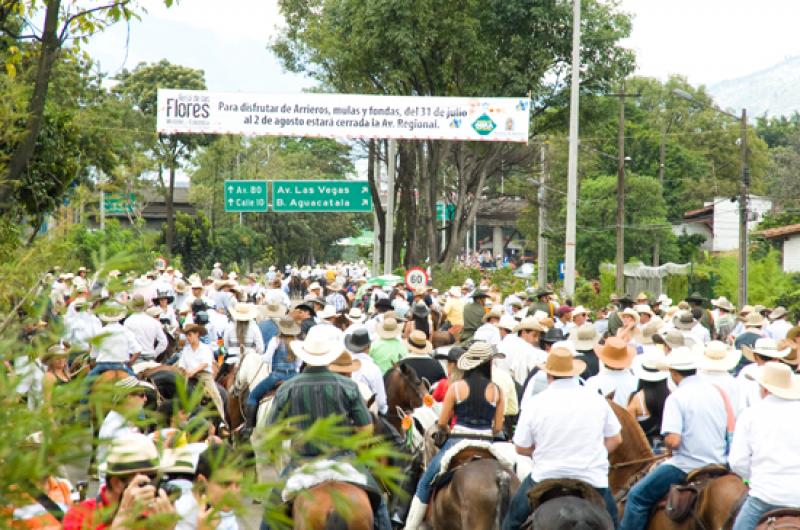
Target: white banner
343,116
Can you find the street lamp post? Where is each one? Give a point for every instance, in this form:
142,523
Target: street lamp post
744,189
572,162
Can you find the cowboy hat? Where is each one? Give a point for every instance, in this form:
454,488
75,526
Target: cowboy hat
542,291
154,311
615,353
273,309
553,335
791,358
454,291
681,359
163,294
56,350
779,380
112,312
195,284
315,286
383,302
328,311
643,308
765,347
180,287
479,294
507,322
664,299
345,364
138,302
530,324
388,328
777,313
357,341
287,326
561,363
478,353
641,296
717,357
132,383
418,343
746,310
675,339
651,328
626,298
580,310
685,321
195,328
584,337
355,315
754,320
723,303
243,312
696,297
420,310
130,454
179,460
496,312
647,369
317,349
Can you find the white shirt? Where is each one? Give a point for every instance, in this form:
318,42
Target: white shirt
699,334
114,425
749,393
728,383
31,379
79,328
252,339
521,357
696,412
567,425
488,333
191,359
117,345
370,374
149,334
778,329
764,450
622,382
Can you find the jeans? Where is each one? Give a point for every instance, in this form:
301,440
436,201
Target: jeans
646,494
265,387
99,368
520,509
423,492
751,512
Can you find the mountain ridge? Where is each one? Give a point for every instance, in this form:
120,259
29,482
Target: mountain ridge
774,91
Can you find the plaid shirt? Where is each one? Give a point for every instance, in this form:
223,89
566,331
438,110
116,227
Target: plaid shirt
318,393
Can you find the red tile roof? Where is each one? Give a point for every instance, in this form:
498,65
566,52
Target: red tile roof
781,231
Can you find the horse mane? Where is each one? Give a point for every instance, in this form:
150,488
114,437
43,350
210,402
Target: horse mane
631,432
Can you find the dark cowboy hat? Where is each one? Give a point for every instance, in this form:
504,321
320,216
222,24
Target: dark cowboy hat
357,341
479,294
163,294
383,302
553,335
696,297
542,291
626,298
306,305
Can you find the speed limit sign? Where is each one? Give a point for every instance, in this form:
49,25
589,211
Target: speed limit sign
416,278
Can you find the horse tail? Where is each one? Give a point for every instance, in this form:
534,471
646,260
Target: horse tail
335,521
503,482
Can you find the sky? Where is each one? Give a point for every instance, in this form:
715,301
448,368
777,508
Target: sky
708,41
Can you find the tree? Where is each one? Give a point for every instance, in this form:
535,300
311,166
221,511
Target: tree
73,23
444,48
140,88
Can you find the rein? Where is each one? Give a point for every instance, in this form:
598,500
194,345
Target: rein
639,461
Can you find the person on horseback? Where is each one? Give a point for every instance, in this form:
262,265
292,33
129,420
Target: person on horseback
242,334
118,347
568,431
694,428
197,362
764,448
148,331
284,367
303,313
318,393
479,407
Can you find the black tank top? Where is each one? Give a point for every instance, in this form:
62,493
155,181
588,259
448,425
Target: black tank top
475,412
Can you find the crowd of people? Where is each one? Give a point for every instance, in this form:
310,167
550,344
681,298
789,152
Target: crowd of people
706,383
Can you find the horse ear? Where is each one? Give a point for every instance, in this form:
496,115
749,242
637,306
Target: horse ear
427,384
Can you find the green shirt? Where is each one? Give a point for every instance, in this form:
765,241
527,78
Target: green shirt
318,393
386,352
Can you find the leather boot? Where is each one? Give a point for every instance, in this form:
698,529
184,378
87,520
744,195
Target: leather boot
250,416
416,514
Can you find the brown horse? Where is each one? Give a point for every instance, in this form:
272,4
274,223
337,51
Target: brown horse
404,392
781,519
332,506
478,495
717,504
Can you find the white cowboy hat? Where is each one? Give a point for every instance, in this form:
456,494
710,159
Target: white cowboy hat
648,367
685,321
388,328
753,320
130,454
580,310
112,312
273,309
651,328
327,312
778,312
355,315
665,300
631,313
243,312
315,286
681,358
765,347
507,322
718,357
584,337
723,303
454,291
643,308
779,380
317,349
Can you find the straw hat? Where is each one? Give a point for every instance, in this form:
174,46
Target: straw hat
195,283
642,296
746,310
317,349
273,309
180,287
154,311
454,291
580,310
345,364
792,357
584,337
681,358
765,347
561,363
418,343
388,329
243,312
327,312
132,383
195,328
779,380
643,308
355,315
651,328
777,313
287,326
723,303
507,322
315,286
496,312
112,312
675,339
357,341
631,313
648,368
685,321
478,353
615,353
717,357
530,324
56,350
131,454
138,302
179,460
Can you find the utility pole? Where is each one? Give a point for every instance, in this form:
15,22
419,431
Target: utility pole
376,227
391,162
541,243
743,198
572,165
662,156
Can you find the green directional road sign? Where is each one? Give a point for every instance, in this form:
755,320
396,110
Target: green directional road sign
321,196
440,211
119,204
246,196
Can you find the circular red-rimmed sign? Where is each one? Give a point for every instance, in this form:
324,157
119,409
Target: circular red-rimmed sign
160,263
416,278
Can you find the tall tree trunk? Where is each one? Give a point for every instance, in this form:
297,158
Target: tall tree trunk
375,191
24,150
170,207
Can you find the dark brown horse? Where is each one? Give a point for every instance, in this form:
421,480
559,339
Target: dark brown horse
716,505
332,506
405,392
478,495
781,519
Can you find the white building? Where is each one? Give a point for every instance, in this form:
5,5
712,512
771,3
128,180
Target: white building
789,239
718,221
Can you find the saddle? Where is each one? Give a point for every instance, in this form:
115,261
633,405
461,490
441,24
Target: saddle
780,519
464,456
550,489
682,498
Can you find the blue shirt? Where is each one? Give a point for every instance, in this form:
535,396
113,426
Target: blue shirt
268,329
695,410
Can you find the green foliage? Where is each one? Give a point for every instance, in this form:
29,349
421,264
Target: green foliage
765,279
677,287
90,246
445,277
193,241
